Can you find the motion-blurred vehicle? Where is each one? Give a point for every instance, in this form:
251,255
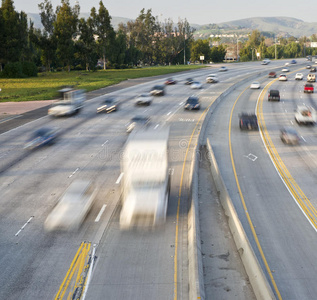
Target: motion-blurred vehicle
72,208
308,66
189,81
158,90
286,64
311,78
273,95
255,85
265,61
248,121
137,121
305,115
170,81
223,69
272,74
109,105
285,70
289,136
282,77
313,70
308,88
196,85
309,57
71,102
299,76
41,137
293,62
144,99
212,78
146,179
192,103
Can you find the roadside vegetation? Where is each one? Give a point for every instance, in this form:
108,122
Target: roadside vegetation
45,86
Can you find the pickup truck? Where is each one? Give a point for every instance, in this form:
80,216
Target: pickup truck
274,95
308,88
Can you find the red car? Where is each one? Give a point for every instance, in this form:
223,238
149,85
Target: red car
308,88
170,81
272,75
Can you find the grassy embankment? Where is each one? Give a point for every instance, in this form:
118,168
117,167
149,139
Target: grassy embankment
44,86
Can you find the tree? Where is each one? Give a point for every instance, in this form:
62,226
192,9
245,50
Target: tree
101,24
200,48
218,53
65,29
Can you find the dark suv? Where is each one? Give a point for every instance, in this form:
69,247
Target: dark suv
274,95
248,121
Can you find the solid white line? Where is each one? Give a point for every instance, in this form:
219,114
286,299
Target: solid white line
156,126
10,118
90,271
169,113
100,213
29,220
303,138
104,143
119,179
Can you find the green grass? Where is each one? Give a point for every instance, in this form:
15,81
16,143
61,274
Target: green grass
45,86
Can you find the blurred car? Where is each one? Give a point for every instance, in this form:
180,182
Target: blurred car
308,66
272,74
313,69
223,69
158,90
255,85
282,77
265,62
305,115
311,78
189,81
196,85
109,105
212,78
72,208
286,64
285,70
192,103
170,81
41,137
144,99
137,121
308,88
248,121
299,76
289,136
293,62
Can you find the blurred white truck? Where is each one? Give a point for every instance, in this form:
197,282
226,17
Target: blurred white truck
146,180
71,101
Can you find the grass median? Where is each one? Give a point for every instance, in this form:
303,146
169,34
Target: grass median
45,86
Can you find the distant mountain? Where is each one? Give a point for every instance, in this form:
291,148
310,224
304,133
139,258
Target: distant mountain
279,26
115,21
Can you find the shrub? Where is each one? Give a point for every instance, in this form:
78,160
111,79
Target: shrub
13,70
29,69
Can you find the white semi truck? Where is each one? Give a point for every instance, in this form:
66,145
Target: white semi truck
146,179
71,101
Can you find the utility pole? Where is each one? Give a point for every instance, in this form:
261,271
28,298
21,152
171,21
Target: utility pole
184,48
275,50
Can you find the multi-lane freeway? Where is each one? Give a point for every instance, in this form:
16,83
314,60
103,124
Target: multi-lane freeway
101,262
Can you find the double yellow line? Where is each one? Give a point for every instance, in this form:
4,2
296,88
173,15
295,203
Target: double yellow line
74,281
299,196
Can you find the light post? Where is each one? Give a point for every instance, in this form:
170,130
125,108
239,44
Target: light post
184,48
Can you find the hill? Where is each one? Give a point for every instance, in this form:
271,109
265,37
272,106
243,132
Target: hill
279,26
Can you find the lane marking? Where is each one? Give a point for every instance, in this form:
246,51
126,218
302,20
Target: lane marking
29,220
242,198
119,178
10,118
73,173
156,126
104,143
101,212
169,113
93,257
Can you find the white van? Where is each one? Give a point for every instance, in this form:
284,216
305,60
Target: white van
311,78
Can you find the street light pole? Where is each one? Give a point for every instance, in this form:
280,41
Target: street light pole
184,48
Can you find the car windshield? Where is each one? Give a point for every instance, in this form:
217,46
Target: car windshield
192,100
157,87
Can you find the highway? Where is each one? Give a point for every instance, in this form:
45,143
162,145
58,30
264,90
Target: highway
154,264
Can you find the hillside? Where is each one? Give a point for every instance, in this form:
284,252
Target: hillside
279,26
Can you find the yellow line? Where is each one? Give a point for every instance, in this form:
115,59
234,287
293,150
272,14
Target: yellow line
179,199
244,204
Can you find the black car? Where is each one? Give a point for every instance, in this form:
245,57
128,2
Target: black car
313,69
248,121
274,95
137,121
189,81
158,90
192,103
109,105
41,137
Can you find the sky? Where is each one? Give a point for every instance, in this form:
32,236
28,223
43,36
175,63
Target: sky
200,12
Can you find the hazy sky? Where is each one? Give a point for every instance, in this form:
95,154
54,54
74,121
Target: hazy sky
198,12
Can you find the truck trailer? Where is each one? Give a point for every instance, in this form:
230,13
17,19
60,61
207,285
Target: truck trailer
146,179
